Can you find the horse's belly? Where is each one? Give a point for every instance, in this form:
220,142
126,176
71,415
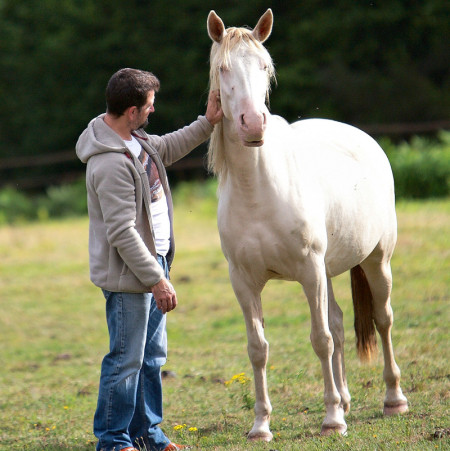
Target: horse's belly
340,259
350,242
276,246
263,255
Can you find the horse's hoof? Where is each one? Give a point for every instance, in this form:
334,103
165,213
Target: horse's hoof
260,436
396,409
330,430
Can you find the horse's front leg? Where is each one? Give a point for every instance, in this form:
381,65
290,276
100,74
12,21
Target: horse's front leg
335,321
249,297
322,341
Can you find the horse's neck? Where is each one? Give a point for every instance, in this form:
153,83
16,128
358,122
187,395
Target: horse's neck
250,171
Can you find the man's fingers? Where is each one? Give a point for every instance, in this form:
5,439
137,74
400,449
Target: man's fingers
165,295
167,303
159,304
174,301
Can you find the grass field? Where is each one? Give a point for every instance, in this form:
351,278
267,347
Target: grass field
53,337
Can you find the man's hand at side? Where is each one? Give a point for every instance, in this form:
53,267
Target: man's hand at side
165,296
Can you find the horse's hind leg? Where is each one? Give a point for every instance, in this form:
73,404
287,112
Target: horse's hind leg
337,331
249,297
379,277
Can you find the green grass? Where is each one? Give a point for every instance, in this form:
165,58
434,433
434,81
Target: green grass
53,336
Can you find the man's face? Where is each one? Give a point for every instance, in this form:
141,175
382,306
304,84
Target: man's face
143,112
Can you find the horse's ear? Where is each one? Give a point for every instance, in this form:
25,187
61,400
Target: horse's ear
216,28
264,26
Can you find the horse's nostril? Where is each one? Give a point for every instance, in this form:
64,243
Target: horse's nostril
242,120
264,118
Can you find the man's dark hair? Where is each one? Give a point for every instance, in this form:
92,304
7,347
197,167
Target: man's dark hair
129,87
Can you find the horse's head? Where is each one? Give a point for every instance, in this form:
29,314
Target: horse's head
242,69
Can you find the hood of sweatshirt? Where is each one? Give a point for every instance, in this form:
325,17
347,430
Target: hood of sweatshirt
98,138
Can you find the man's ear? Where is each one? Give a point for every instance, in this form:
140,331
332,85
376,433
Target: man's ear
130,112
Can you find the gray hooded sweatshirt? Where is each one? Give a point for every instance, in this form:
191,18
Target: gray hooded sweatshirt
122,253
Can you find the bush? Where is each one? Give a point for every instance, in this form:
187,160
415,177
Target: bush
421,168
15,206
57,202
64,200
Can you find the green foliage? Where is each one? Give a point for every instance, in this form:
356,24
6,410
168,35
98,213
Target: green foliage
421,168
65,200
189,193
14,206
58,202
358,62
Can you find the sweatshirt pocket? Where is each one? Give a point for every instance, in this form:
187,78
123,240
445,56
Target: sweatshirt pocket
125,270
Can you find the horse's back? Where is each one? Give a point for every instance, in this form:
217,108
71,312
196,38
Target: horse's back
341,155
332,138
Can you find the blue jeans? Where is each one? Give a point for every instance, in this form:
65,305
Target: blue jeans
129,408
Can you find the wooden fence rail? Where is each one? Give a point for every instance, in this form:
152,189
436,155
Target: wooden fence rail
186,165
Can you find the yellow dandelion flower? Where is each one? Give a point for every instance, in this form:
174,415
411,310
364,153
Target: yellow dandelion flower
178,427
193,429
237,376
66,407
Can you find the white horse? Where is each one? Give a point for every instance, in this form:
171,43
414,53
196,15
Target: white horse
301,202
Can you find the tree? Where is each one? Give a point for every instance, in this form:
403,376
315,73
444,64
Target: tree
358,62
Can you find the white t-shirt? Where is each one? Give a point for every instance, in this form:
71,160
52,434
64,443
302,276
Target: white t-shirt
134,146
158,207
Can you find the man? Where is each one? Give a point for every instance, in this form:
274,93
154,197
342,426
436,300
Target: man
131,248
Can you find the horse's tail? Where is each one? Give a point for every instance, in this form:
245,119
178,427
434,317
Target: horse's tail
366,339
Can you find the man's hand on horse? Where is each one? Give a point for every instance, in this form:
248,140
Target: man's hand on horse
214,111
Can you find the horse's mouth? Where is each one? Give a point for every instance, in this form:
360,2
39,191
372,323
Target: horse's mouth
254,143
